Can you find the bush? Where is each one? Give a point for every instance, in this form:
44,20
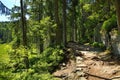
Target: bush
109,24
49,59
40,66
98,45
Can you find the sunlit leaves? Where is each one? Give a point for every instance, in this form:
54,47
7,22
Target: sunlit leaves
109,24
87,7
44,28
94,16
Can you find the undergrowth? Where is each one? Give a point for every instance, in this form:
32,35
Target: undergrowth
27,64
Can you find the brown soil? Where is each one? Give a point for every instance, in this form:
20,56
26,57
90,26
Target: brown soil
99,66
102,67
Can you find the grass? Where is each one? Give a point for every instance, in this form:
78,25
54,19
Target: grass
4,48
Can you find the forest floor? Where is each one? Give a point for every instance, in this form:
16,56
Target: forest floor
89,64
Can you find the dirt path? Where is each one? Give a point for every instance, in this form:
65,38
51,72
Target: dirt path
101,67
91,65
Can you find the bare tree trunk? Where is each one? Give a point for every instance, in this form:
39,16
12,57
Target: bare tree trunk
117,4
40,39
73,21
64,22
59,28
74,26
82,36
24,36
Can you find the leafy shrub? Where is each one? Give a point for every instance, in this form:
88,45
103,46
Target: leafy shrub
87,7
41,66
49,59
4,74
109,24
98,45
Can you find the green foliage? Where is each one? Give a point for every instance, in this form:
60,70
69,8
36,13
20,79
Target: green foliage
40,65
43,31
5,32
94,17
98,45
4,49
109,24
44,28
87,7
4,61
28,75
81,21
49,59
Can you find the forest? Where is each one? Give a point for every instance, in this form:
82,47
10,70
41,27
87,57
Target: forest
44,35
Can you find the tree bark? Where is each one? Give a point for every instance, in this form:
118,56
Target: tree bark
82,22
40,39
59,28
117,5
64,22
74,4
24,36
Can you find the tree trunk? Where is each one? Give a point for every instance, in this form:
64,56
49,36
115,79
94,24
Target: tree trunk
59,28
74,4
117,4
73,22
41,42
64,22
82,32
24,36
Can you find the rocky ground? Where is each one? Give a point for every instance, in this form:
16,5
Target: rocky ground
89,64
